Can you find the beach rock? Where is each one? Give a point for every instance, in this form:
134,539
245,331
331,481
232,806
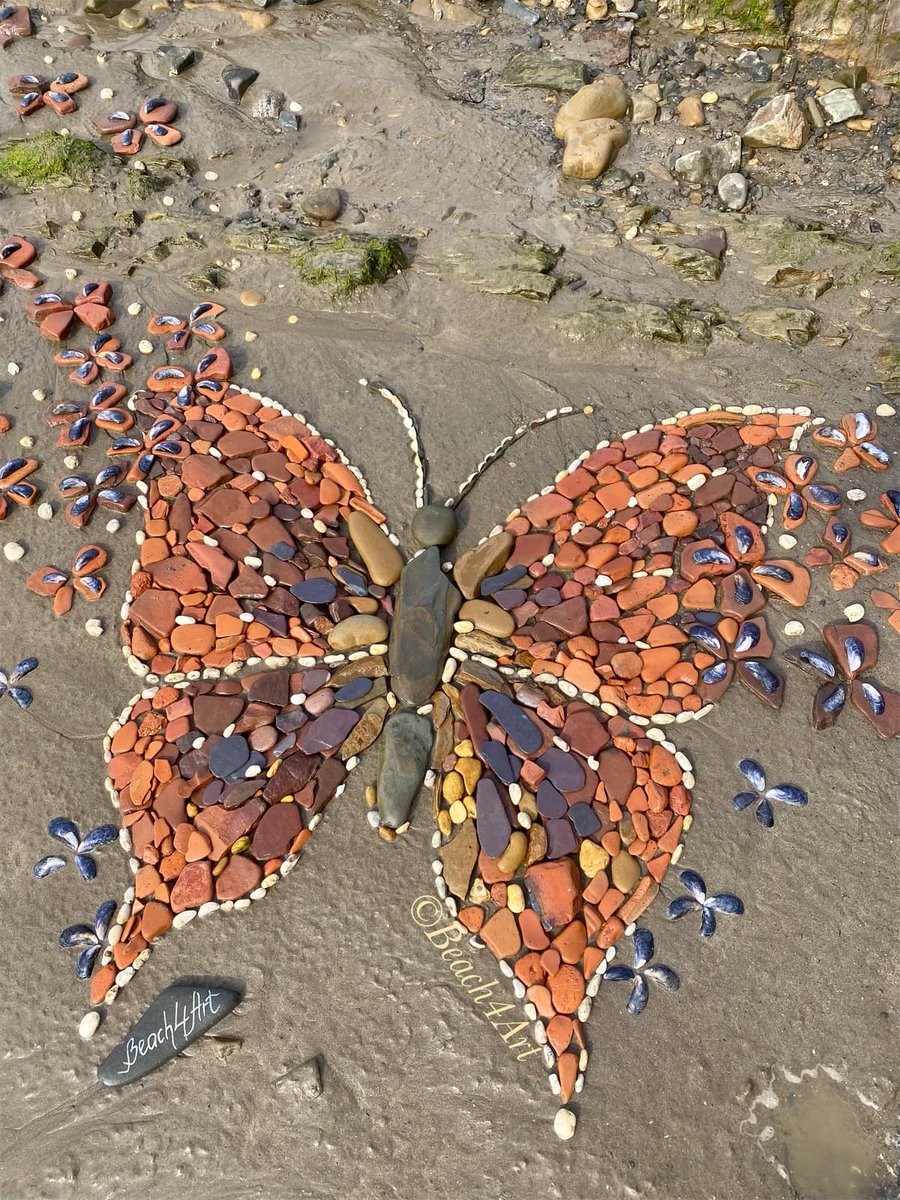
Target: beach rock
480,562
790,326
383,560
404,754
592,101
426,606
237,80
434,525
780,123
175,59
690,112
841,104
324,204
360,630
177,1017
267,106
459,857
591,147
733,190
542,69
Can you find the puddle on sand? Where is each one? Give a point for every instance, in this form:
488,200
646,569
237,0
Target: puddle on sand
826,1150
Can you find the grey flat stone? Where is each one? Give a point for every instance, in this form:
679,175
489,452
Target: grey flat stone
434,525
427,603
177,1017
404,754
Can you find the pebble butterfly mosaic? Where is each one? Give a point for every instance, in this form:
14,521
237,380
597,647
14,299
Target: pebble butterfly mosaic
529,690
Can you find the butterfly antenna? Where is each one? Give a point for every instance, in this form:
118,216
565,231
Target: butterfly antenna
499,450
412,433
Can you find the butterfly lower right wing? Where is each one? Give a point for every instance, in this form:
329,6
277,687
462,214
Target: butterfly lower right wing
557,828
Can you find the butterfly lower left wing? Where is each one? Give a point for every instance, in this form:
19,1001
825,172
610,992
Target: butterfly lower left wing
557,825
220,785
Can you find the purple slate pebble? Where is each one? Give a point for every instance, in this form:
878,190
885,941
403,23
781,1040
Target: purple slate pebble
563,770
228,756
561,838
510,598
504,766
495,583
315,591
549,801
548,597
328,731
515,721
492,822
583,818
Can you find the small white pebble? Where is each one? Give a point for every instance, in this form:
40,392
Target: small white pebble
250,336
564,1124
211,176
106,93
885,410
88,1025
168,201
135,309
293,319
794,629
27,442
13,368
113,526
49,59
256,373
295,107
76,216
71,273
13,551
854,612
856,494
39,395
145,347
71,461
45,511
93,627
787,541
214,208
102,57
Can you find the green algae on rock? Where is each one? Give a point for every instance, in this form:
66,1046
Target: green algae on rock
496,266
679,323
341,263
767,18
346,263
50,160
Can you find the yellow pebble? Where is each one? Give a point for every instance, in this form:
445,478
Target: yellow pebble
478,893
470,770
371,796
389,835
444,822
514,854
515,898
242,844
464,749
592,858
709,97
452,787
219,867
688,822
470,806
458,812
528,805
191,809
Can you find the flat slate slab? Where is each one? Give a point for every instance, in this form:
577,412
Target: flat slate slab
177,1017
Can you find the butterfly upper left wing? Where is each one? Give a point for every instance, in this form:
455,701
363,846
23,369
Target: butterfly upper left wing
245,552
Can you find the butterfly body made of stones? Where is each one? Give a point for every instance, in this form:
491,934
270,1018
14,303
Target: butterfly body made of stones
529,685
